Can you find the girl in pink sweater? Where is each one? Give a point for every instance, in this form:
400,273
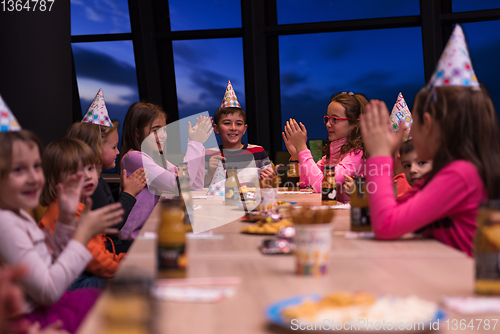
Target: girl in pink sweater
455,125
343,149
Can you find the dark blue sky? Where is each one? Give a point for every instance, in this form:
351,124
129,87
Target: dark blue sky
378,63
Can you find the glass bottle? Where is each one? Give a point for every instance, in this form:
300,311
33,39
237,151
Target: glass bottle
360,209
185,192
293,175
232,189
172,257
329,186
487,249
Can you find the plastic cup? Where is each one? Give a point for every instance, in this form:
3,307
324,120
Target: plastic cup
312,248
269,199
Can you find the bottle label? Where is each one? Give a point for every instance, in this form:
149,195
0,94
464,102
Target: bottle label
360,216
172,257
232,194
328,195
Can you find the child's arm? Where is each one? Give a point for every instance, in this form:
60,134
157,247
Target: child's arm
311,173
46,281
104,263
456,188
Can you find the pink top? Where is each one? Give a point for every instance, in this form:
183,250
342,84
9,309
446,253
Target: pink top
311,173
446,207
53,262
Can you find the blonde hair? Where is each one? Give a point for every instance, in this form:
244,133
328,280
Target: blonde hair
107,130
63,156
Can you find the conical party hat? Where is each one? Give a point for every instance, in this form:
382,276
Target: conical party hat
230,99
218,185
454,67
8,121
401,112
97,112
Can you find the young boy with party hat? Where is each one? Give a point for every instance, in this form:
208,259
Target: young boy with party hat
230,123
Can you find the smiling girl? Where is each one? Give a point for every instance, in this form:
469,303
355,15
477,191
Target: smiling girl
343,149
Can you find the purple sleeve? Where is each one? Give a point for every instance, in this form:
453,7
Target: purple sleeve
443,196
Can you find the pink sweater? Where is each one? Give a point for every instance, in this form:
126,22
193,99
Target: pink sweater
446,207
312,174
53,261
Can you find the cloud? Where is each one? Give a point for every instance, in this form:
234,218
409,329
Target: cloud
99,66
92,15
291,79
338,48
187,55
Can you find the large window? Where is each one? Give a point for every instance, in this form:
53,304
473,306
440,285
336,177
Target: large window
109,66
377,63
202,69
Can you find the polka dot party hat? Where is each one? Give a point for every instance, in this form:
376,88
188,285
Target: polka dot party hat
8,121
230,99
401,112
97,112
454,67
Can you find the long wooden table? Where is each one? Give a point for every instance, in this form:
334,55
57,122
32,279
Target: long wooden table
425,268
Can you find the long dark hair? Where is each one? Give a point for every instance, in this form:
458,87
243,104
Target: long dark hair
469,130
139,115
354,105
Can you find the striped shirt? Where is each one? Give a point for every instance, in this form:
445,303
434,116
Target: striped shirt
250,160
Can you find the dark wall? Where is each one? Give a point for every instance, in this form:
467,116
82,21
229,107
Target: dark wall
36,68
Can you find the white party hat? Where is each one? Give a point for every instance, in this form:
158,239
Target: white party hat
401,112
454,67
217,186
97,112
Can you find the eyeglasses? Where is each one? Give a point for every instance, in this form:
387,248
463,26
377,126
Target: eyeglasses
333,119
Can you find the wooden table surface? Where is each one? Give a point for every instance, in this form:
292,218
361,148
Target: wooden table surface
424,268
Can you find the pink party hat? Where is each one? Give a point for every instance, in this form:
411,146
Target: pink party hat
401,112
8,121
230,99
217,186
454,67
97,112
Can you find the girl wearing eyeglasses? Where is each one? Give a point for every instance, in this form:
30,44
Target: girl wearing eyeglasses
344,147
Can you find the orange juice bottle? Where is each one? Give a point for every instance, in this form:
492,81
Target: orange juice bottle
360,210
172,257
329,186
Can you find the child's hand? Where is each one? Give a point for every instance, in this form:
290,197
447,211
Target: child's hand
53,328
97,221
296,134
349,185
69,192
214,162
291,149
378,137
268,173
202,130
11,298
135,182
